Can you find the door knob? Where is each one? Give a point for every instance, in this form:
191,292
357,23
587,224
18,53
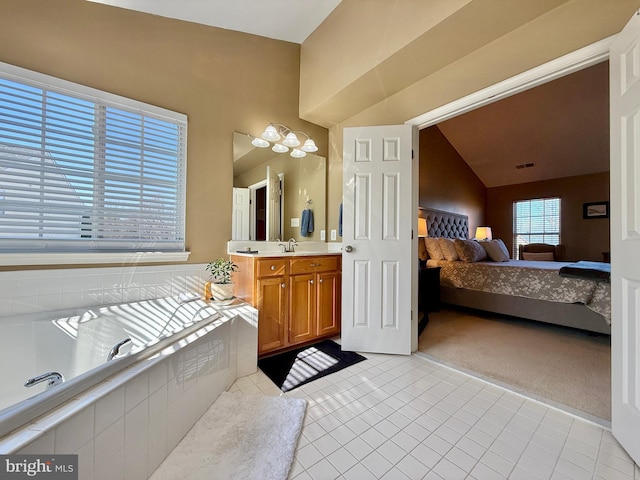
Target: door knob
348,249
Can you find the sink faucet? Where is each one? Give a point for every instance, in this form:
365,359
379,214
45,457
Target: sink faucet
290,246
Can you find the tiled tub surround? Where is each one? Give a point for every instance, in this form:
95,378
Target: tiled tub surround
125,426
31,291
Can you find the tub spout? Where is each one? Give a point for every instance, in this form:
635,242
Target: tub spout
115,350
52,379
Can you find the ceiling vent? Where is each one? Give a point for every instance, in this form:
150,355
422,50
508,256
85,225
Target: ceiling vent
525,165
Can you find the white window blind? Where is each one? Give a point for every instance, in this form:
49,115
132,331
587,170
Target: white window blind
536,221
83,170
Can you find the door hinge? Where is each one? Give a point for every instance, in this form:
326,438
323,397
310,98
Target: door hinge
412,154
412,234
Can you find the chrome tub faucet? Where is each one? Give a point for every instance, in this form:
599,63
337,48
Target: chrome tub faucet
52,379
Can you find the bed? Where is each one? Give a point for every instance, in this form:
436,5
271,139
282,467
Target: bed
533,290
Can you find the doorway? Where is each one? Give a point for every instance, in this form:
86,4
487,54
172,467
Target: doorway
260,215
577,61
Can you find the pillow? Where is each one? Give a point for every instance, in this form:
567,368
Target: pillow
538,256
433,248
496,250
448,249
469,250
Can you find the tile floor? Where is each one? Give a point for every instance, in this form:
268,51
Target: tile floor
396,418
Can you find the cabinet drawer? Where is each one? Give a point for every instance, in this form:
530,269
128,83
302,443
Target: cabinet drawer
267,267
314,264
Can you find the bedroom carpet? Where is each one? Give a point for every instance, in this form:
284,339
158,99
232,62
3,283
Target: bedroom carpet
562,365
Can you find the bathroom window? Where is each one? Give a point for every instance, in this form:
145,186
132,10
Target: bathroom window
83,170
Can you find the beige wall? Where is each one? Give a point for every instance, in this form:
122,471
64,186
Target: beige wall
447,182
222,80
583,239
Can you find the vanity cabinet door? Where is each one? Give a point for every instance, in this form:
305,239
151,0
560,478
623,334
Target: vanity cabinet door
272,307
329,289
302,308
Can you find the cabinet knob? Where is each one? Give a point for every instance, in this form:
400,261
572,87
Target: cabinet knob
321,280
273,267
314,264
282,284
311,282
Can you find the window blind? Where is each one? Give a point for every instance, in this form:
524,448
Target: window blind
83,170
536,221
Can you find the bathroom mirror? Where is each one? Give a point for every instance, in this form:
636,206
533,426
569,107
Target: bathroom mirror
272,190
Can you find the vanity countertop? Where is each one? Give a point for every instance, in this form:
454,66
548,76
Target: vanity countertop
274,249
271,253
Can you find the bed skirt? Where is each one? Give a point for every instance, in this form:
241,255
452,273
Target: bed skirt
573,315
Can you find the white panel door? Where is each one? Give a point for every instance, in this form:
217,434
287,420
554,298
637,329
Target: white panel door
379,260
625,237
273,205
241,214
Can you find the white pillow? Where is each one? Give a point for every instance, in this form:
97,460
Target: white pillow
496,250
448,249
433,248
538,256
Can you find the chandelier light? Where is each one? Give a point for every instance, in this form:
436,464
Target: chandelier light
281,138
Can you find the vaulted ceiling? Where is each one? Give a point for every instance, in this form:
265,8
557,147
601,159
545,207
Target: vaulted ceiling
289,20
555,130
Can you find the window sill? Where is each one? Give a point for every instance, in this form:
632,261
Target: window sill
21,259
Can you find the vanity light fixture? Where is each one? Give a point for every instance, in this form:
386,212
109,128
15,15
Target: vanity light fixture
276,132
260,142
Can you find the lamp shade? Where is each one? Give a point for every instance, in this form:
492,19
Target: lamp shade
260,143
309,146
483,233
271,134
291,140
297,153
422,227
279,148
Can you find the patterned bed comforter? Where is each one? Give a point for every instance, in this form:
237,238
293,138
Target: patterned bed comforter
538,280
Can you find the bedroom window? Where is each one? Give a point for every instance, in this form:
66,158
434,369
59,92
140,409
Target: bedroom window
85,171
536,221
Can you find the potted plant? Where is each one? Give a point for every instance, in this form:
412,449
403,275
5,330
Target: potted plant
222,289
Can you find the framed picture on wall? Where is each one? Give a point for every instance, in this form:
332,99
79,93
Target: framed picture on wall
595,210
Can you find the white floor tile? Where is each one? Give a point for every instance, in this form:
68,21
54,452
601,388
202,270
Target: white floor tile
399,418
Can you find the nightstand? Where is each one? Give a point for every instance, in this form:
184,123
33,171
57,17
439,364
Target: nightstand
429,281
428,294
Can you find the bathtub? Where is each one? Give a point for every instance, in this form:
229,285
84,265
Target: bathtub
185,352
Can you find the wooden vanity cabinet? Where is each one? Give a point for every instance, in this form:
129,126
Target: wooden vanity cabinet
329,303
298,298
272,305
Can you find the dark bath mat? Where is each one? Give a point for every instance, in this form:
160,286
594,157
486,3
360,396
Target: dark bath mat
291,369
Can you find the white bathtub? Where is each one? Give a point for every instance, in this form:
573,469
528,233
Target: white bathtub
181,356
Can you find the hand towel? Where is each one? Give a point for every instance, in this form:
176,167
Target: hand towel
306,225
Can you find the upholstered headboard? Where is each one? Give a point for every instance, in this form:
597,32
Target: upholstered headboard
445,224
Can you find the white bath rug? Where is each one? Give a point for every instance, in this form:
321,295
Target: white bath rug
243,437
